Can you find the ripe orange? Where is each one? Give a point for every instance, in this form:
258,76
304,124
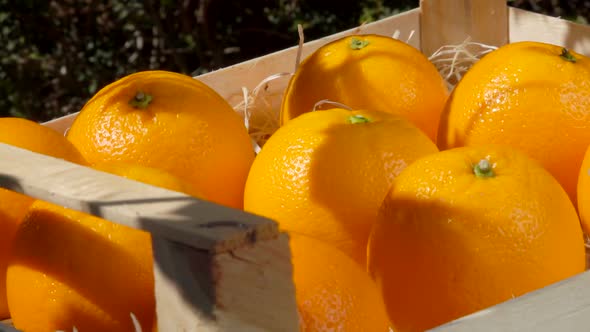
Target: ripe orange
371,72
583,190
529,95
467,228
13,207
82,266
172,122
71,269
333,293
29,135
325,173
153,176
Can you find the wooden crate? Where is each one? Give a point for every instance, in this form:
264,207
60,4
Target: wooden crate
219,269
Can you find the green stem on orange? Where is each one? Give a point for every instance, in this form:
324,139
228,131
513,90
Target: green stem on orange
357,118
141,100
357,44
483,169
567,55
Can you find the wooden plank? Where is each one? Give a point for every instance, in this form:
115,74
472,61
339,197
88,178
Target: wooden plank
251,288
564,306
451,22
6,326
210,262
246,291
525,25
62,124
172,215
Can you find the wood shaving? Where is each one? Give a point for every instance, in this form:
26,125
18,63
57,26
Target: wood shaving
260,107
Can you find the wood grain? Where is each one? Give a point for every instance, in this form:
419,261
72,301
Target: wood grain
172,215
247,289
244,292
6,326
210,262
451,22
564,306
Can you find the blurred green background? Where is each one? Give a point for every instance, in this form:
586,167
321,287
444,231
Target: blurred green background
56,54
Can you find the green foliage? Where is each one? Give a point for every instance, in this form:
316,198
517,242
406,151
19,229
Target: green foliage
55,54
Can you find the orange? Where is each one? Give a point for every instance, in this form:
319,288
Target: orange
72,269
333,293
153,176
583,190
13,207
529,95
172,122
467,228
369,72
325,173
29,135
83,272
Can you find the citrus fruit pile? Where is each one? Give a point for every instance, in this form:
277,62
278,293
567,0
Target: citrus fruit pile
407,205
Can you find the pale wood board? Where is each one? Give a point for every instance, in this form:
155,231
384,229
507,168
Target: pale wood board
528,26
564,306
6,326
202,251
247,289
62,124
451,22
246,292
172,215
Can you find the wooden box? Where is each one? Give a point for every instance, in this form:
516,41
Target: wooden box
218,269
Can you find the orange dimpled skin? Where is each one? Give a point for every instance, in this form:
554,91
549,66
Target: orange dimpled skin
30,135
173,122
13,207
467,228
529,95
70,269
372,72
152,176
333,292
325,173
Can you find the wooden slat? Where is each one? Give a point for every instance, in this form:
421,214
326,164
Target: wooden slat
6,326
213,266
172,215
247,289
564,306
63,123
528,26
451,22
